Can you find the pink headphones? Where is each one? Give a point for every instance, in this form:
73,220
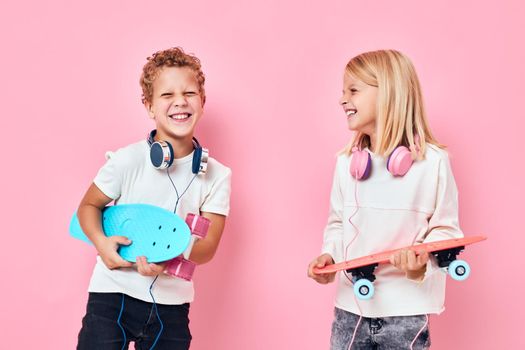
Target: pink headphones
398,163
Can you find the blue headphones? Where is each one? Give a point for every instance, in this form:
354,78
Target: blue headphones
161,154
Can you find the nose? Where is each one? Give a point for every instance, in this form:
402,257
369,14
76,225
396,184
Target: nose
343,100
180,100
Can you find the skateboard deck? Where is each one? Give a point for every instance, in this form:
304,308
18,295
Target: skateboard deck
384,257
156,233
362,269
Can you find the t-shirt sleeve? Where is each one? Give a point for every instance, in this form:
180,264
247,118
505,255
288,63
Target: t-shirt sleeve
218,199
109,177
333,233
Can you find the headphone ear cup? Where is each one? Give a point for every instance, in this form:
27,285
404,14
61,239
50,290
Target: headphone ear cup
161,154
196,162
400,161
360,165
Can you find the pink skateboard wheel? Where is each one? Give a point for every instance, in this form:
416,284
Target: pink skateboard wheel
181,268
198,225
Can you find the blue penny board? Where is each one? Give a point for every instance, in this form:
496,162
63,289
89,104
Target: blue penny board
156,233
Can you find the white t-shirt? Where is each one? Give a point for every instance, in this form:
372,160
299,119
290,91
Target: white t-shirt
129,177
391,213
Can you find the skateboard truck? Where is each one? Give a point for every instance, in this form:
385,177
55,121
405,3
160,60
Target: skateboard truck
445,257
362,278
181,266
457,269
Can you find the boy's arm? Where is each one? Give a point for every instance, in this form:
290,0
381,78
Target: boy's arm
89,217
204,249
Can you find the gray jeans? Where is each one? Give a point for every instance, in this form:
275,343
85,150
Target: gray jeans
379,333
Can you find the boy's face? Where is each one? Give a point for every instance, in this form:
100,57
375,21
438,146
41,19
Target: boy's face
176,104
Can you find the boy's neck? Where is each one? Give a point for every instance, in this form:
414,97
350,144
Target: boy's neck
181,146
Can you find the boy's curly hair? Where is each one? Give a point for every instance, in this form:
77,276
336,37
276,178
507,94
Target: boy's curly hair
172,57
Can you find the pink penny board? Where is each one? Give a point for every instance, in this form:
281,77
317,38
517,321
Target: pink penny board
384,257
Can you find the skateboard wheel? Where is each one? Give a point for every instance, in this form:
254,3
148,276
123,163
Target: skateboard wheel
198,225
364,289
459,270
181,268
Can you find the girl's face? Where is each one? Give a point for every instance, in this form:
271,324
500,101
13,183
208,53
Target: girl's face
359,104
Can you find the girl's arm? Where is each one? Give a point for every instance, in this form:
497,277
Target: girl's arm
332,249
333,233
443,224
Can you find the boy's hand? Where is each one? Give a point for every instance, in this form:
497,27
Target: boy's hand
321,261
414,265
107,249
150,269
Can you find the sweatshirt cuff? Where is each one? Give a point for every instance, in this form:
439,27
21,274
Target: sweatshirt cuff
330,248
432,268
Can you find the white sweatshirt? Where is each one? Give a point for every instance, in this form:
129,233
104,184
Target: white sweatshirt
392,212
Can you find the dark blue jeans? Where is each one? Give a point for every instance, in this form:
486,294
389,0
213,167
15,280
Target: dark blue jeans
100,330
393,333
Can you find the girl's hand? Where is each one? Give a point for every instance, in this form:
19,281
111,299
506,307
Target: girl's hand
321,261
107,249
150,269
414,265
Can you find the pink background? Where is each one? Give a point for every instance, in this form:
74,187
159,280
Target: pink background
274,71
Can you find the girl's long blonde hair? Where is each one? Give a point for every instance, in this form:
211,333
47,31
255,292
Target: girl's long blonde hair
401,117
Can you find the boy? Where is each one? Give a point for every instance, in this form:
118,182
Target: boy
120,307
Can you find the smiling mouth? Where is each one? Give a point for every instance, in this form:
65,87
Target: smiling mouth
180,116
351,112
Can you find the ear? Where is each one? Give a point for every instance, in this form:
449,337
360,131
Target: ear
149,109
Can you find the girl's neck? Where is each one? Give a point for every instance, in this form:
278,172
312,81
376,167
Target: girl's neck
373,145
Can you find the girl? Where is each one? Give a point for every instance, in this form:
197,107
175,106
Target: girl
392,187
